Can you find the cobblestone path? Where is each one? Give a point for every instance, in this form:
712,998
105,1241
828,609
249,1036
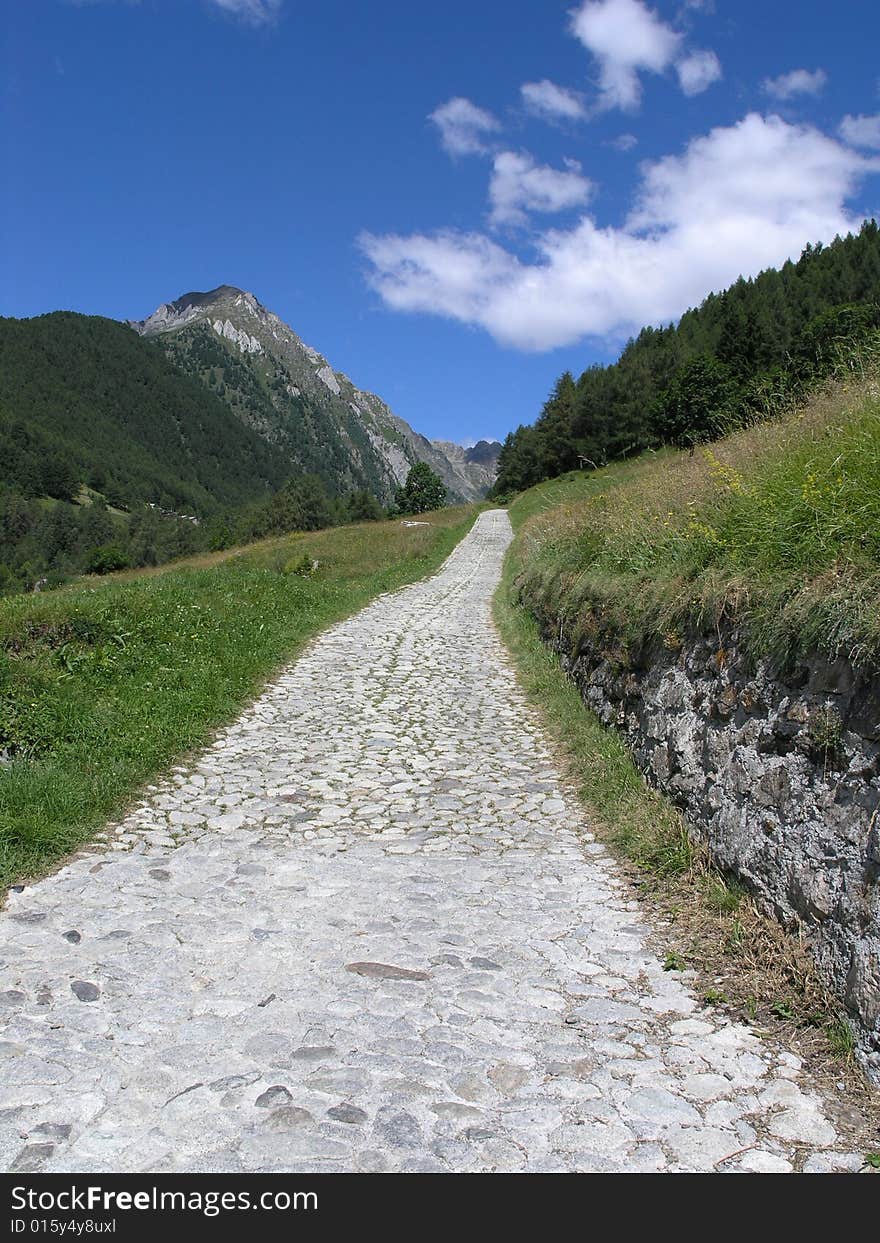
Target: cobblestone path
368,930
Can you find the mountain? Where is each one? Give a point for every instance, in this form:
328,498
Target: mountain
314,416
475,465
85,400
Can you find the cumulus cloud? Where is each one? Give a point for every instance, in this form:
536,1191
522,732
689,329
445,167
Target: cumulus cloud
518,185
697,71
256,12
798,82
626,37
861,131
553,103
463,126
624,142
735,201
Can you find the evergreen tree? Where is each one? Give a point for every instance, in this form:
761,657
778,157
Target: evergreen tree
361,506
423,491
698,405
301,505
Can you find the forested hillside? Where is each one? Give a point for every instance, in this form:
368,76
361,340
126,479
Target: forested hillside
264,396
86,400
742,355
112,456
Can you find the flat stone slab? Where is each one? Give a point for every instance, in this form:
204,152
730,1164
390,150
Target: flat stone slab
367,929
384,971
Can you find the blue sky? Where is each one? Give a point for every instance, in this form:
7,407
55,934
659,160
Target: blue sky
453,202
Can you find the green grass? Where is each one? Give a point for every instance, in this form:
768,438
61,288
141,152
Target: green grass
104,684
642,824
777,526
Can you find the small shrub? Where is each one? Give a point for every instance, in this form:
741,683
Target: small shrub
106,559
840,1037
723,896
714,997
825,731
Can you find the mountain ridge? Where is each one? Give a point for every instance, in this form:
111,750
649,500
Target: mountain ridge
291,394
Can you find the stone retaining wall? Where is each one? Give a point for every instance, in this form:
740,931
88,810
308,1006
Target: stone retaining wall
780,775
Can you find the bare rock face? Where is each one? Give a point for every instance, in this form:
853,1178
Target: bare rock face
778,772
298,401
477,464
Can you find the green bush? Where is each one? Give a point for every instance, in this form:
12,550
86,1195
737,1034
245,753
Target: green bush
106,559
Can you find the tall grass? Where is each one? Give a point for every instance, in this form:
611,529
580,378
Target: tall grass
105,683
777,526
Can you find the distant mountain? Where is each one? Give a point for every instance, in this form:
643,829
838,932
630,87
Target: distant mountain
85,400
289,394
478,464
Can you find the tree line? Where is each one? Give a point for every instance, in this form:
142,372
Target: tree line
744,354
46,541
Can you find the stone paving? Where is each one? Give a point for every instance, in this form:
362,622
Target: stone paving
369,930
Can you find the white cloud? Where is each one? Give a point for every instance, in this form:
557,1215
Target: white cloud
553,103
798,82
463,126
625,36
737,200
518,185
624,142
256,12
697,71
861,131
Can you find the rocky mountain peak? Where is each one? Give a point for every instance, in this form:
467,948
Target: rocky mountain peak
371,442
198,305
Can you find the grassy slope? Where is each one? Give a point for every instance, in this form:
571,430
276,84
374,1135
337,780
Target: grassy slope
777,526
103,684
572,534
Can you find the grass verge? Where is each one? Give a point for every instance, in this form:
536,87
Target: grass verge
738,959
105,683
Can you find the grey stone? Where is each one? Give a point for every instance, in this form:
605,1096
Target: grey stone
85,990
398,1129
384,971
32,1158
287,1117
276,1095
777,773
347,1113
